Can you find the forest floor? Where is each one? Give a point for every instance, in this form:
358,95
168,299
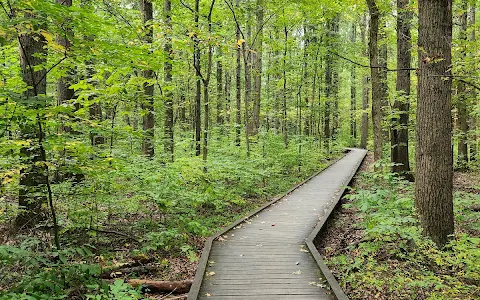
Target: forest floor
140,221
374,247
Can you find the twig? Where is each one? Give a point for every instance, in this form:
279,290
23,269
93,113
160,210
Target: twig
114,232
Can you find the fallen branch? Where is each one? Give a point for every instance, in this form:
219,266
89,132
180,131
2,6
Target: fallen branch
119,272
177,287
115,233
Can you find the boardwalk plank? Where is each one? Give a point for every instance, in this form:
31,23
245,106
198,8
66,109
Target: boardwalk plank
265,257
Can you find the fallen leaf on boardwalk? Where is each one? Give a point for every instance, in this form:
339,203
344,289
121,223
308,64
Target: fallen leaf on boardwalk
303,250
208,294
210,273
317,284
297,272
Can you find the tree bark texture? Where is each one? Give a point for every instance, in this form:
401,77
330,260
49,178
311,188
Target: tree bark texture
353,91
366,89
377,90
169,143
148,144
258,65
198,87
434,156
399,133
462,98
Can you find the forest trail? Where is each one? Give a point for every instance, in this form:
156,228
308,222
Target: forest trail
266,257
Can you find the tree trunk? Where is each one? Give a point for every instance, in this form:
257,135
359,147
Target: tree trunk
462,160
220,96
198,91
399,133
353,92
257,88
169,143
33,176
473,121
238,83
284,122
148,144
378,96
434,156
366,90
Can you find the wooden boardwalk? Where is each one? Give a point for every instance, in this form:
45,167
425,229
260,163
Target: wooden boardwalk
265,257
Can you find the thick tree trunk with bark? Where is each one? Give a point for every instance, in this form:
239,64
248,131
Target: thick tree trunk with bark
378,96
399,133
434,157
168,124
33,176
148,146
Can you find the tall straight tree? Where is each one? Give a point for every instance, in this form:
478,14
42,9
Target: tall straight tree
258,65
148,146
462,93
33,176
353,90
434,155
168,124
399,133
238,82
198,85
366,88
473,121
378,75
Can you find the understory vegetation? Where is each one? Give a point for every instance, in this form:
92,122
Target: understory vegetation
383,255
133,211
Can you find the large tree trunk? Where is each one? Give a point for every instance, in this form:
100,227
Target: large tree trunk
257,88
33,176
378,95
168,125
434,157
399,133
366,90
148,144
462,124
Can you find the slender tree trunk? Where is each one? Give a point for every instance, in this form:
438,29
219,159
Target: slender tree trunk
33,176
238,82
353,92
284,122
366,90
473,121
257,89
335,83
220,90
227,94
434,156
198,91
148,145
399,132
169,143
462,160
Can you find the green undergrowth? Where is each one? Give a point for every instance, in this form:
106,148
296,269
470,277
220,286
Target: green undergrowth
131,208
392,260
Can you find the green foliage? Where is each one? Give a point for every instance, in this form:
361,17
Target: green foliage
395,259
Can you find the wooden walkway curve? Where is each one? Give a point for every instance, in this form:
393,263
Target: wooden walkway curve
265,257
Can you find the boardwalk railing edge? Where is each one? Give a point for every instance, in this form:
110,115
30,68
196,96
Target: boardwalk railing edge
202,264
334,285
